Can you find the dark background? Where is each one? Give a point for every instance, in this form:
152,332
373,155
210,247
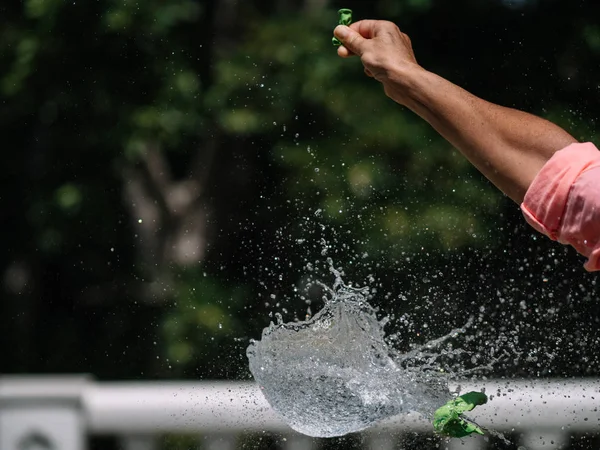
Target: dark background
174,172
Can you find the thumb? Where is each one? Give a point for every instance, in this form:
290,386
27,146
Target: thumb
350,39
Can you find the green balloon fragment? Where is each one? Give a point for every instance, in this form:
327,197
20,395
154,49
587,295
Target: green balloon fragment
448,419
345,19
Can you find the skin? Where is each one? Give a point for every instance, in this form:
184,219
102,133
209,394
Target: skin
508,146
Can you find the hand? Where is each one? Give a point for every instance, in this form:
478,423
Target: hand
385,51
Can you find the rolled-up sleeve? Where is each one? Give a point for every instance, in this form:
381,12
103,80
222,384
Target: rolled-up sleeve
563,202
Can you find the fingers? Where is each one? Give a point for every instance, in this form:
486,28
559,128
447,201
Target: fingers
355,36
344,52
368,28
351,40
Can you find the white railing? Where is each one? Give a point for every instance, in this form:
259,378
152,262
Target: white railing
60,412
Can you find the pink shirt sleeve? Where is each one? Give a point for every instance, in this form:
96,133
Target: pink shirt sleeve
563,202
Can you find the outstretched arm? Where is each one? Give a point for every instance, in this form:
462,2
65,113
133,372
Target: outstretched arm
508,146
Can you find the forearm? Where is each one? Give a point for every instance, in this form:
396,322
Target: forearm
508,146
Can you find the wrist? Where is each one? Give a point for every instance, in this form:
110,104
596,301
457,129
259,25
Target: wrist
406,83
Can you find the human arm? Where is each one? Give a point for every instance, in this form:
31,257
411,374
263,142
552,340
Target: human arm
508,146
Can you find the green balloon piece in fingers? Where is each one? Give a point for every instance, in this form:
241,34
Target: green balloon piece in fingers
345,19
448,419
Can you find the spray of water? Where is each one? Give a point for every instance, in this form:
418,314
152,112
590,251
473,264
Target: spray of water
335,373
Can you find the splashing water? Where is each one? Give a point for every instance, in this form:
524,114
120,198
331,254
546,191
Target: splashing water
335,374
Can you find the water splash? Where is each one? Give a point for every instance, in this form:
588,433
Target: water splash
335,374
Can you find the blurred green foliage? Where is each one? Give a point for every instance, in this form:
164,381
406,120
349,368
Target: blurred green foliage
171,168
